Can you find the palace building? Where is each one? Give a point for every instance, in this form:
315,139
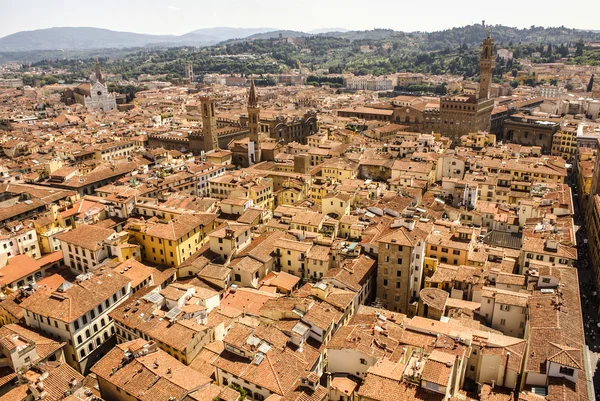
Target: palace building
464,113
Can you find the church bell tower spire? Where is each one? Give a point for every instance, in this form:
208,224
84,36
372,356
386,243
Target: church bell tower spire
98,72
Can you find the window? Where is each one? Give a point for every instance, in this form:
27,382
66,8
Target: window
92,314
434,248
82,353
502,322
505,308
399,261
363,361
566,371
539,257
546,280
455,252
385,282
398,273
397,284
237,277
76,324
79,339
445,250
472,368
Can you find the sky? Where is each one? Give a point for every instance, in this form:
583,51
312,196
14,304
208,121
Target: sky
181,16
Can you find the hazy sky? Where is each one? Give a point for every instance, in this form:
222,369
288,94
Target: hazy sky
181,16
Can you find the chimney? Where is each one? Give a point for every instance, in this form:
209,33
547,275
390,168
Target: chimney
505,368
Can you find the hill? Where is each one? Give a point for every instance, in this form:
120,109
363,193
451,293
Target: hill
328,30
275,34
225,33
70,38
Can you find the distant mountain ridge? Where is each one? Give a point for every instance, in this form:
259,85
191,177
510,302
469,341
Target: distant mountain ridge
82,38
226,33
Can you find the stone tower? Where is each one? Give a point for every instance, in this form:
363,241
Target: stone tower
486,66
253,122
209,123
189,72
98,72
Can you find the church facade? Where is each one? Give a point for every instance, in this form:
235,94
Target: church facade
94,96
99,98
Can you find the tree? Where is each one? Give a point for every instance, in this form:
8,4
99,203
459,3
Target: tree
590,85
5,125
579,48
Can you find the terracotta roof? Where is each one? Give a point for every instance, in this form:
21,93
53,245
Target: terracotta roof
152,376
87,236
78,299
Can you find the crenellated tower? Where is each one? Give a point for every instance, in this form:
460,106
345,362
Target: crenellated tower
486,66
253,122
209,123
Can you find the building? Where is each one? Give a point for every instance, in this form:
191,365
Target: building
401,255
77,314
253,357
93,96
138,370
86,246
179,325
171,242
253,126
206,140
369,83
19,238
462,114
532,130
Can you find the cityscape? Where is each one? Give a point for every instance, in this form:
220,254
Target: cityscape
278,215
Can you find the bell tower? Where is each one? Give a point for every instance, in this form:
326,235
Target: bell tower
209,123
253,122
98,72
486,66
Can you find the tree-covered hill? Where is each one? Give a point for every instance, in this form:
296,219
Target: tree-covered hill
378,52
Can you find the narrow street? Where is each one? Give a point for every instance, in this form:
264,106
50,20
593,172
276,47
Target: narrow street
587,287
